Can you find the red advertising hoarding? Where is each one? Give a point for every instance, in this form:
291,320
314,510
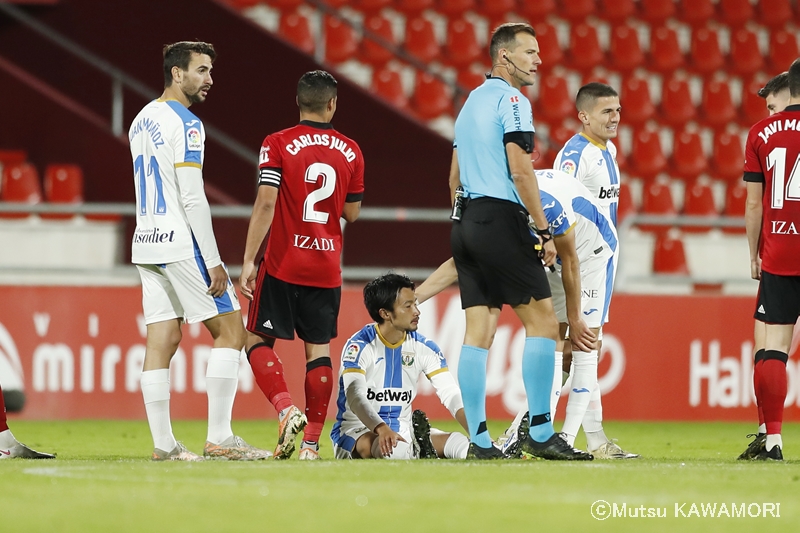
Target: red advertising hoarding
78,352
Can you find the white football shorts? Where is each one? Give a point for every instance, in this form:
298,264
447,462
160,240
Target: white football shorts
597,285
349,433
180,290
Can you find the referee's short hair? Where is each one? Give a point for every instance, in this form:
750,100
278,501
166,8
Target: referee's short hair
382,293
794,79
505,36
775,85
589,93
180,55
314,90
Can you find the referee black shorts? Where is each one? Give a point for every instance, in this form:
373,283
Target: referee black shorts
280,308
495,257
778,299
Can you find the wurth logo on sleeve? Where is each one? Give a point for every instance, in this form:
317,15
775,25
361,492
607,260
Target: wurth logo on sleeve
514,99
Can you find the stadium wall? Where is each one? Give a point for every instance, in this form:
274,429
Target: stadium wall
78,353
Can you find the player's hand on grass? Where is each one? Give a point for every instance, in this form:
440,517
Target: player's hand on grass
247,281
219,281
387,439
582,337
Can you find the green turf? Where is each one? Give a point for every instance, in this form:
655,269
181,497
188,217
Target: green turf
103,481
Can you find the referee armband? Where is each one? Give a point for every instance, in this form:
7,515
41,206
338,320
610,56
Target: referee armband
524,139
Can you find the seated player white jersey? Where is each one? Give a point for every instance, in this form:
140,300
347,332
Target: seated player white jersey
596,167
392,373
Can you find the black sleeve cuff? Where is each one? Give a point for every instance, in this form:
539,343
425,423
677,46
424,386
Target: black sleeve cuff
522,138
756,177
354,197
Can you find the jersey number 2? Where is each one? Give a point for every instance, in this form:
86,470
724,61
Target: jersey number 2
314,173
142,174
781,188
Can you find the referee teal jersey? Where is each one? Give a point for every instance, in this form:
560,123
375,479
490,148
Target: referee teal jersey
495,113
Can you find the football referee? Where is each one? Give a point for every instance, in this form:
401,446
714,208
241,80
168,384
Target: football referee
497,255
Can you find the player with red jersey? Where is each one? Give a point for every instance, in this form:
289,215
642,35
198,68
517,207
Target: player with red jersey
772,218
310,176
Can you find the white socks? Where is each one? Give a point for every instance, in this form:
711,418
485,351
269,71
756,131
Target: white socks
557,384
584,381
155,391
222,377
773,440
456,446
7,440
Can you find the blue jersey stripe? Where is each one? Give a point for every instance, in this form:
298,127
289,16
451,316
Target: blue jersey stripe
609,288
553,211
190,121
223,303
586,209
572,152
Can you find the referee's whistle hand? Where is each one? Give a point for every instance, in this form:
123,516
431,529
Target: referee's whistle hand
549,253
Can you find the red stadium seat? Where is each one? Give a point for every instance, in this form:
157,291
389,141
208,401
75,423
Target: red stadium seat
413,7
735,13
688,160
665,54
295,28
373,51
462,46
656,12
774,13
745,58
669,256
561,133
646,157
535,10
698,201
728,157
696,12
705,53
340,41
470,78
622,160
335,4
432,97
625,206
625,53
616,10
717,104
372,6
639,107
497,8
754,108
285,6
20,184
421,40
554,103
676,102
584,48
735,203
576,10
543,156
657,200
782,49
386,83
549,50
12,157
455,8
63,184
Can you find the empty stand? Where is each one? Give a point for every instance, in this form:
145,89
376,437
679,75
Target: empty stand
340,41
717,104
470,78
625,206
616,10
745,58
421,40
554,102
696,12
705,53
374,51
584,48
665,53
736,13
387,84
576,10
735,202
774,13
496,8
639,107
669,256
688,160
63,184
462,43
782,49
20,184
625,53
413,7
455,8
432,97
372,7
699,201
753,108
676,102
656,11
537,9
295,28
647,158
728,157
549,50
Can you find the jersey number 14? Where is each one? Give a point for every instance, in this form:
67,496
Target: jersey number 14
781,188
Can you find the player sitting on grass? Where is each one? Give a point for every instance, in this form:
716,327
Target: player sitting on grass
381,365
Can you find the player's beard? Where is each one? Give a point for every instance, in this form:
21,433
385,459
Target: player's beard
196,97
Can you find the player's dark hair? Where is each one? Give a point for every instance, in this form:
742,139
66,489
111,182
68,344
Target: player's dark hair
180,55
382,293
775,85
589,93
505,36
794,79
314,90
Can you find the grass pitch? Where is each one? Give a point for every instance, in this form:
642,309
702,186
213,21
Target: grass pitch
104,481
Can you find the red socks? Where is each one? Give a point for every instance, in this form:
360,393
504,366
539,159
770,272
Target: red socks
268,371
773,383
319,386
3,421
759,359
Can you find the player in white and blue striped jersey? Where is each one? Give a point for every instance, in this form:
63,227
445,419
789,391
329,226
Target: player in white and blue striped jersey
381,365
